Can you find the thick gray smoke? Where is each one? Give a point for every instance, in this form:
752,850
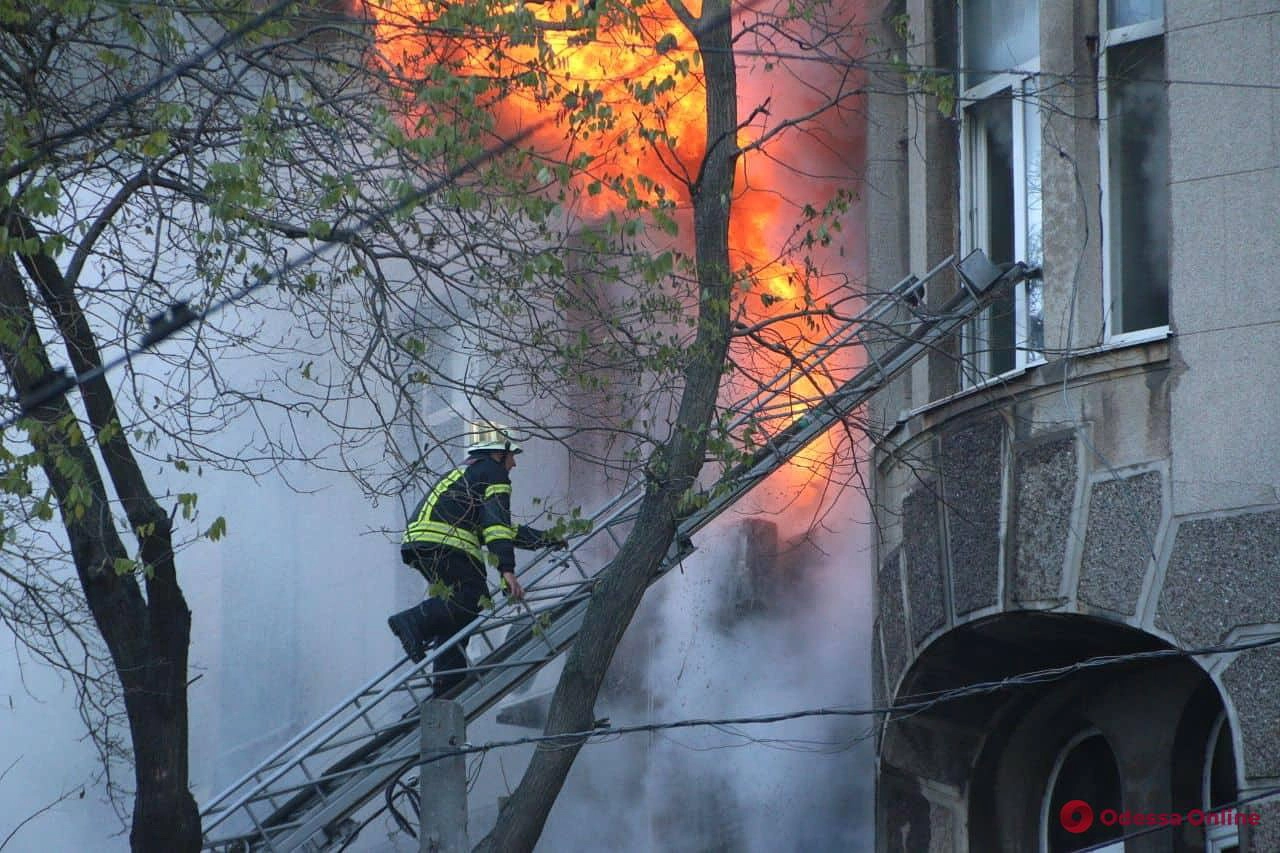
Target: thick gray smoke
753,625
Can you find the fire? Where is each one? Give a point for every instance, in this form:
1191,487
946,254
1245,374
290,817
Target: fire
605,95
639,69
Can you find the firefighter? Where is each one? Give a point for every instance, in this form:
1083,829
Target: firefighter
468,510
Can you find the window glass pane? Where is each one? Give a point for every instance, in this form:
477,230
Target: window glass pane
1088,773
994,225
998,34
1122,13
1033,247
996,228
1138,164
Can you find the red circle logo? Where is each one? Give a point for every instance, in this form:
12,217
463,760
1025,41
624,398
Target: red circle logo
1076,816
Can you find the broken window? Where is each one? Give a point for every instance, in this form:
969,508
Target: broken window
1000,183
1135,121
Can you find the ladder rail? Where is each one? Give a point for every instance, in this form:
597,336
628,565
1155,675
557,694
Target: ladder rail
388,684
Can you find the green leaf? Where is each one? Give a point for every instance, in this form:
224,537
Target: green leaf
216,530
187,500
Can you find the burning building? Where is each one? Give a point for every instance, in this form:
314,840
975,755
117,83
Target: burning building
1077,501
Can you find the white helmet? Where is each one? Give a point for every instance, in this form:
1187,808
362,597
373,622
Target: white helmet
489,437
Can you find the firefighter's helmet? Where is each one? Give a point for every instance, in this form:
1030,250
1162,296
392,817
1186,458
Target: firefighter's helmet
488,437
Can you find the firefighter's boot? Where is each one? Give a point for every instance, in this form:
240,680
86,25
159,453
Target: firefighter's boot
412,629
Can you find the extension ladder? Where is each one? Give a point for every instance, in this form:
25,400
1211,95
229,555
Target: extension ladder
303,796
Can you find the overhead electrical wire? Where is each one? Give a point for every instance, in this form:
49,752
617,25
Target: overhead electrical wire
179,315
911,705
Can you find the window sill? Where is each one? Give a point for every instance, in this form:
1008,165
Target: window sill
1026,377
1141,336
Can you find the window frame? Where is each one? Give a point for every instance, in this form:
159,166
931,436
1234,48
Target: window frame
1140,31
1020,84
1046,799
1217,839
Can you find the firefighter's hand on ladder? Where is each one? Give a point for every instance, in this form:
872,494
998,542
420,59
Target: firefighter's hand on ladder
511,585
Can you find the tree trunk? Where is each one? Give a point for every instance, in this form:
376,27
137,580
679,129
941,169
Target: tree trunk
147,638
674,467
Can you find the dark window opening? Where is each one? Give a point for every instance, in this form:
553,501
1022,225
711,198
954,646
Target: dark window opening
1088,773
1138,162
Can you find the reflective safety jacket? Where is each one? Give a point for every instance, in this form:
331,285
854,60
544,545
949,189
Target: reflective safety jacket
467,510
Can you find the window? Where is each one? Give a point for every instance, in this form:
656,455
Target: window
1219,787
1000,176
1085,770
1135,163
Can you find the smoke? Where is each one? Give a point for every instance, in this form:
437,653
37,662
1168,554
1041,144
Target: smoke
772,613
744,629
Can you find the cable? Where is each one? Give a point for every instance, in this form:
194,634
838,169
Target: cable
402,788
1232,806
891,66
179,315
914,704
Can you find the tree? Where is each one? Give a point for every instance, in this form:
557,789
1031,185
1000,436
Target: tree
182,171
529,52
143,188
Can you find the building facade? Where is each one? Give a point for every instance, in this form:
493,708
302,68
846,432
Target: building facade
1089,469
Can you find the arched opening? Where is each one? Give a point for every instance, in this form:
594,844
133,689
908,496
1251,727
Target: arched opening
1219,789
1085,772
1131,735
1204,771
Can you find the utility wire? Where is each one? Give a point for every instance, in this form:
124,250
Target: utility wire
854,63
1232,806
913,705
179,315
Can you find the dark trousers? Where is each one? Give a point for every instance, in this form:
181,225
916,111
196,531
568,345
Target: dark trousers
446,614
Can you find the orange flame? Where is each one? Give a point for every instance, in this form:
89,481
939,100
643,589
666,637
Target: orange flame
604,95
643,75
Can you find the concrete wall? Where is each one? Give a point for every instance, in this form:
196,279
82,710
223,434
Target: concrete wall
1225,195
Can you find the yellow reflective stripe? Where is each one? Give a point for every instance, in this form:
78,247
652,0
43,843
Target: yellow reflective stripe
438,533
438,528
497,489
440,489
499,531
429,505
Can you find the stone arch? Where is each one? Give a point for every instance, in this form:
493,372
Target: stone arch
978,768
